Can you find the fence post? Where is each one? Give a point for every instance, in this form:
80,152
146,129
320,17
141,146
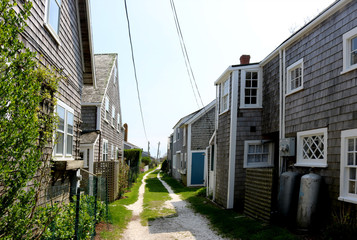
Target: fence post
77,214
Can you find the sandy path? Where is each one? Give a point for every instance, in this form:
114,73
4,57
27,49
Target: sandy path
187,225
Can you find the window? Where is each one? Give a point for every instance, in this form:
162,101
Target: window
225,95
105,150
174,161
295,75
258,153
348,171
113,116
52,18
64,131
312,148
106,108
184,136
250,89
116,153
350,50
177,134
118,122
112,152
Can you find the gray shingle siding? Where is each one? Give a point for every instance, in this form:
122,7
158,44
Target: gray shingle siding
328,99
202,130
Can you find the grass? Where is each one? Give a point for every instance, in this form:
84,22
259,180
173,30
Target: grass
119,214
154,197
227,223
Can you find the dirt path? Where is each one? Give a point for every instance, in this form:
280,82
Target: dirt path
187,225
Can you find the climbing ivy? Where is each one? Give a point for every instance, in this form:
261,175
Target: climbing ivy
27,123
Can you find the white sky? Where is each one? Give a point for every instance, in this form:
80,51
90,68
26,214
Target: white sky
216,33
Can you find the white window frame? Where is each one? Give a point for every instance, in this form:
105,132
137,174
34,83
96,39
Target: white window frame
344,173
174,161
224,100
113,116
293,67
105,150
184,136
268,163
112,152
106,103
243,88
118,122
46,23
311,162
177,134
116,153
347,37
65,155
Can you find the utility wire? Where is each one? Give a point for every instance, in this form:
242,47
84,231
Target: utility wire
133,60
185,54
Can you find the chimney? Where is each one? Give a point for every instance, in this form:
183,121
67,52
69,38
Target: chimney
244,59
125,132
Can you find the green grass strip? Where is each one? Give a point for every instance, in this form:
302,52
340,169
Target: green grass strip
154,197
227,223
119,214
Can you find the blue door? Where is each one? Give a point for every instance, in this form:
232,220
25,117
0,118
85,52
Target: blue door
197,170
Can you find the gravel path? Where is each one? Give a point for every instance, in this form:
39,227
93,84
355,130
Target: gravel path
187,225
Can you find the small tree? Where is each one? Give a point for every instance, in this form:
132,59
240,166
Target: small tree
26,127
146,160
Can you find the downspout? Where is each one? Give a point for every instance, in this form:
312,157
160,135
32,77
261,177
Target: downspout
282,103
232,140
189,156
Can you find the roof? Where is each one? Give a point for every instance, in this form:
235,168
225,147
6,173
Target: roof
103,69
334,7
232,68
184,119
128,145
90,137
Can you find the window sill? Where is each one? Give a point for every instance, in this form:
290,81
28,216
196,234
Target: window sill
251,107
316,165
348,199
351,68
299,89
53,34
105,120
259,166
225,111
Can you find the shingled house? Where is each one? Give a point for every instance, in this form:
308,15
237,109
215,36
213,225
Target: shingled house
190,139
303,116
102,139
60,32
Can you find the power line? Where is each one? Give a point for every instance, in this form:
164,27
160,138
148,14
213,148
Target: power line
133,60
185,54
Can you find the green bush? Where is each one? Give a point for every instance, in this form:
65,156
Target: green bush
63,224
146,160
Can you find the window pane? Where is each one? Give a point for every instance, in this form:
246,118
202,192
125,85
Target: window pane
258,148
69,123
255,83
251,149
352,187
265,158
350,145
251,158
254,75
254,92
60,143
248,75
248,83
352,173
69,144
354,57
61,113
350,159
53,15
253,100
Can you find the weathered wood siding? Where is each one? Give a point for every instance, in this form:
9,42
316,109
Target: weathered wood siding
328,99
66,56
89,118
258,198
109,131
270,111
222,165
202,130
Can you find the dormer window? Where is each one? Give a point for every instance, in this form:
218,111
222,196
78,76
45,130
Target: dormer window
350,51
224,103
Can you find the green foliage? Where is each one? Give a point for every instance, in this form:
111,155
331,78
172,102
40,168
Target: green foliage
146,160
62,225
123,178
133,156
26,127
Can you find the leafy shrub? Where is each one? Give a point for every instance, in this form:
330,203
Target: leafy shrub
123,178
165,166
146,160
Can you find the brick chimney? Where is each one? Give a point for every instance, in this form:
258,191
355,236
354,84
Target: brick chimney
125,132
244,59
